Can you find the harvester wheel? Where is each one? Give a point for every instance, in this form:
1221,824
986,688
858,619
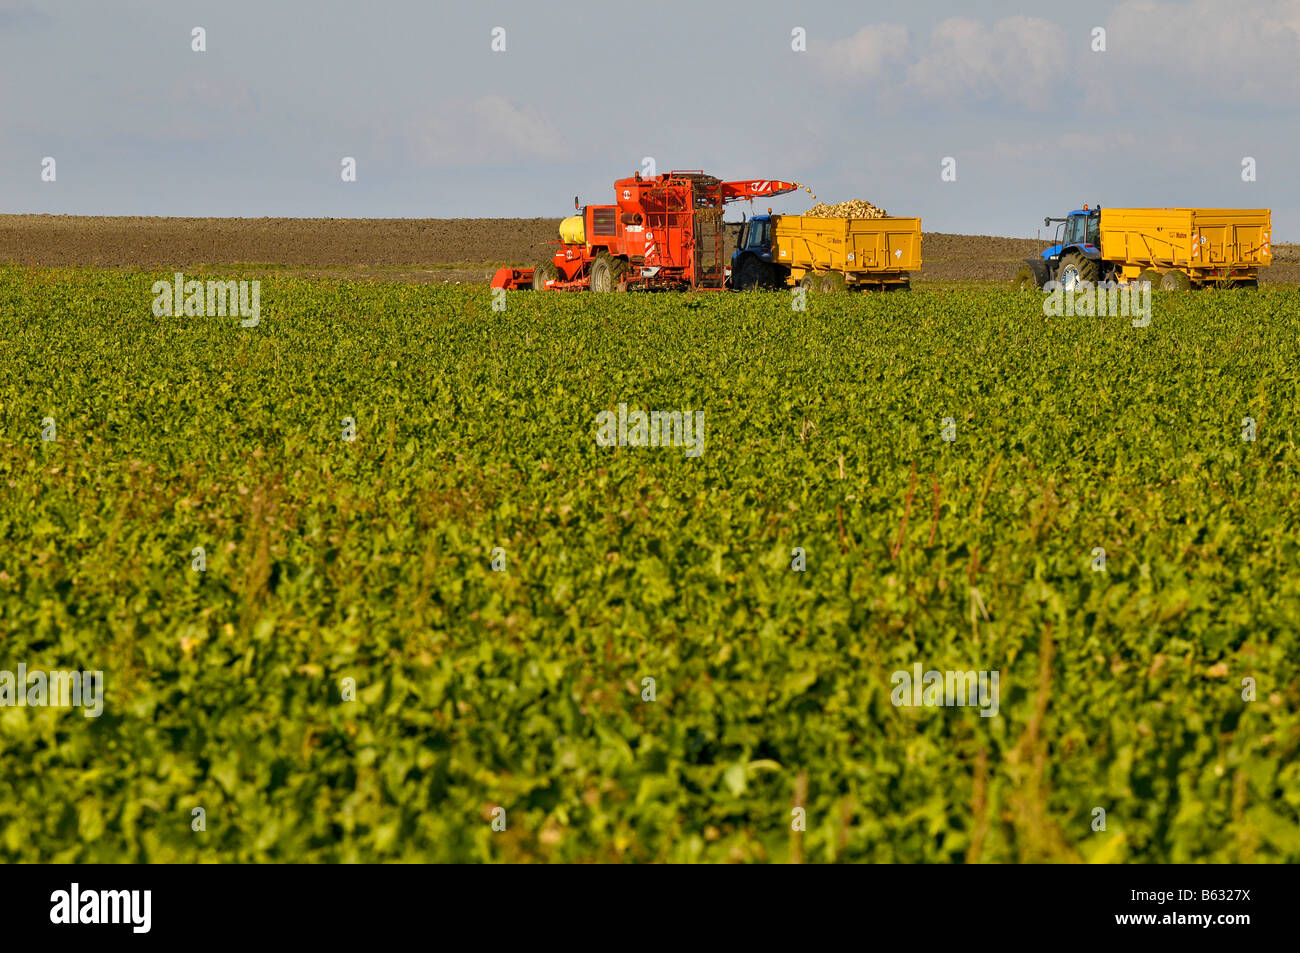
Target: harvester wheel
1150,275
833,282
1024,279
605,273
1075,268
1175,281
544,272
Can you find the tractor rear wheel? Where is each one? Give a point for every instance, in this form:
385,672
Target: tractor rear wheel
606,272
1075,268
1175,281
544,272
833,282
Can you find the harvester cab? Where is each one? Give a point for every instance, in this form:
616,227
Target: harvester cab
1075,255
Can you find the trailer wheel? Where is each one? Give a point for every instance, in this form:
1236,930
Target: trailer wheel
544,272
1024,279
1249,283
1150,275
1175,281
1074,269
810,282
605,273
833,282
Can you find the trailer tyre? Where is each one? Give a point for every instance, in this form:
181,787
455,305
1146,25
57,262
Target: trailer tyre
544,272
1175,281
833,282
1251,284
1075,268
810,282
1024,279
1150,275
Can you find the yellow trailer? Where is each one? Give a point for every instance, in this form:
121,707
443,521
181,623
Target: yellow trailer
1172,247
827,254
1187,245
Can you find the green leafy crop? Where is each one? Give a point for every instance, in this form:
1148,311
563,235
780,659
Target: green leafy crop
525,689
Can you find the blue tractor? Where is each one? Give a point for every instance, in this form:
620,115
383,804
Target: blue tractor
1075,257
751,262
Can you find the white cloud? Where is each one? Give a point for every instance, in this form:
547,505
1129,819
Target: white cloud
1160,53
1016,60
485,131
1198,51
868,53
1039,149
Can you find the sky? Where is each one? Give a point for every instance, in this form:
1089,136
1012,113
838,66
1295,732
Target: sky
440,124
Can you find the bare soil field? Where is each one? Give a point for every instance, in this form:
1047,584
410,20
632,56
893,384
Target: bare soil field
459,250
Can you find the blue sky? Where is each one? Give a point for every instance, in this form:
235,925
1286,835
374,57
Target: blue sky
442,126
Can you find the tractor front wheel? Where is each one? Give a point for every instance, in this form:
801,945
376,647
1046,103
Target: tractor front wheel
753,274
544,272
1074,269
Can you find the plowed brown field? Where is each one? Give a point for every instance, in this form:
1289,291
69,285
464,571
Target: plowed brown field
465,250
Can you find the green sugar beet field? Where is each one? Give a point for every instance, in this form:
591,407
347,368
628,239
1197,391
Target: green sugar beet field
364,585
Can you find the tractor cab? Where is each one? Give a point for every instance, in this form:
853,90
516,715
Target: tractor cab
1082,228
755,238
1078,238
